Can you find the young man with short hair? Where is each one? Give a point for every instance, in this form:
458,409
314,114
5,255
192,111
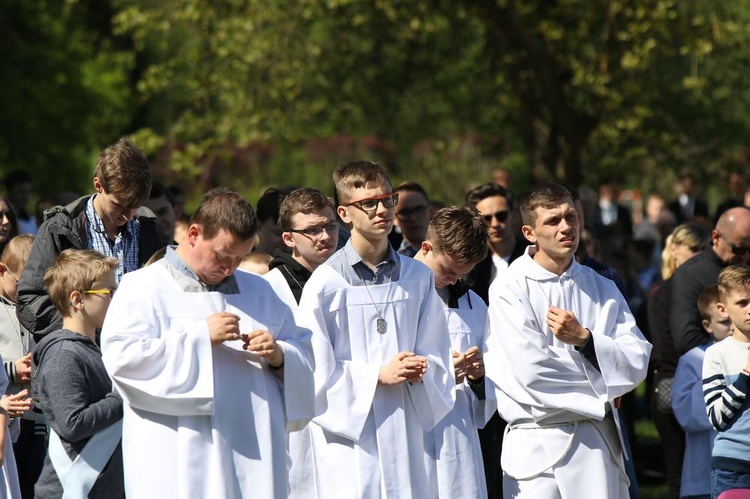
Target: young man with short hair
565,347
456,240
383,367
111,222
311,234
211,366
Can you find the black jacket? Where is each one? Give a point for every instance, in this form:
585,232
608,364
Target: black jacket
65,227
480,277
688,281
295,274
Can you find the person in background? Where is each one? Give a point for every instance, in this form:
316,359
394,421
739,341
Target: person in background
685,242
412,216
110,221
688,405
29,432
19,187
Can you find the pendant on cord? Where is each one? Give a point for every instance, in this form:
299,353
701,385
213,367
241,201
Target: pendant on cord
381,325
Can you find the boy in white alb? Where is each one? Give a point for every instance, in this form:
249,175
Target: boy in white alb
310,232
567,347
205,414
383,365
456,240
688,404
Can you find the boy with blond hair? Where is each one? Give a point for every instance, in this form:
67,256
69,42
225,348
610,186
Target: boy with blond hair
16,344
456,240
71,385
383,368
726,383
687,400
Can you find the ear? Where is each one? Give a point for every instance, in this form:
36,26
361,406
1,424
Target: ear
528,233
706,325
426,246
75,299
193,232
288,239
343,213
722,309
3,268
98,185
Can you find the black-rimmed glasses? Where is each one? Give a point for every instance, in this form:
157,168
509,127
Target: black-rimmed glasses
371,204
408,212
737,250
317,230
501,216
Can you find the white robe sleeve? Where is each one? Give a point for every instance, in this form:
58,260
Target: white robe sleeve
434,396
158,365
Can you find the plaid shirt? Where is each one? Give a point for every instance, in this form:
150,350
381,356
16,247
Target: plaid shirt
125,247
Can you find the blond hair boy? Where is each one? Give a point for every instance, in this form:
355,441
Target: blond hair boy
72,387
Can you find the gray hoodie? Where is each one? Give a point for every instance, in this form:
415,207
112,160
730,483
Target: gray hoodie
74,392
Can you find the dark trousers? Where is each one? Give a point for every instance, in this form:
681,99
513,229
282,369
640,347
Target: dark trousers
491,440
30,450
673,445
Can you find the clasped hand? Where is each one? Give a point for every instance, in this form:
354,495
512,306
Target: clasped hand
469,363
404,366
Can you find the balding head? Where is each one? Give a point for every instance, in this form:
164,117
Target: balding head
731,237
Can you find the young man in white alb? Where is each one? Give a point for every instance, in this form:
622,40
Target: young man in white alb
567,347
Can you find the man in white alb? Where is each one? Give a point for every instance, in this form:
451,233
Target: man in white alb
210,364
567,347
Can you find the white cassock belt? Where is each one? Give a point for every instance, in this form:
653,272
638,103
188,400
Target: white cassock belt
78,476
616,456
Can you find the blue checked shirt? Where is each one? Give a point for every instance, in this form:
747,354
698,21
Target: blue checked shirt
125,247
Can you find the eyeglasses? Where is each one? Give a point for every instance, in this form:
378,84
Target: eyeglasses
371,204
316,231
15,281
105,291
737,250
500,216
408,212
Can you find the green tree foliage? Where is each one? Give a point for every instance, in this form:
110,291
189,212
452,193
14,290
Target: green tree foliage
64,89
256,93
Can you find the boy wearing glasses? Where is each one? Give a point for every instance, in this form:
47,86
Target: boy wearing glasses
73,389
456,240
383,368
730,244
412,216
310,231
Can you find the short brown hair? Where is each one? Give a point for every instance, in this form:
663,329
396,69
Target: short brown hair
75,269
355,175
544,195
16,252
459,232
707,300
220,209
305,200
124,172
735,278
488,190
413,187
